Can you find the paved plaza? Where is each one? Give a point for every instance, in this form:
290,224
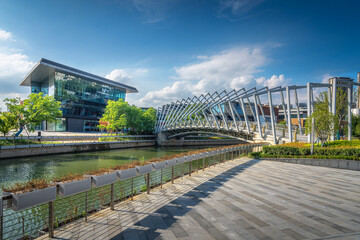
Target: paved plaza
241,199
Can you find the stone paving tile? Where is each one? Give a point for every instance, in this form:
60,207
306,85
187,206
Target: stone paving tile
241,199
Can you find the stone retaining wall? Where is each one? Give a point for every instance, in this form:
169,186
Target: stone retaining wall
332,163
62,148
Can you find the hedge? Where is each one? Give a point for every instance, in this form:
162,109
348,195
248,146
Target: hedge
354,153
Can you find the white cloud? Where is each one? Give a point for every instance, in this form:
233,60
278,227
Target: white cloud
230,69
14,65
326,77
4,35
119,75
274,81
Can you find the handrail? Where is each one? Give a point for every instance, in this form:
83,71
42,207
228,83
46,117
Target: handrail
51,214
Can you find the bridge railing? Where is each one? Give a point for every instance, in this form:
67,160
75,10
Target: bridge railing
33,214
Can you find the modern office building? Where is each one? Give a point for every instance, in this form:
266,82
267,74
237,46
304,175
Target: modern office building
83,95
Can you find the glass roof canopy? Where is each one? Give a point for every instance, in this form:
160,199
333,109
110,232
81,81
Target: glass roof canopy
44,68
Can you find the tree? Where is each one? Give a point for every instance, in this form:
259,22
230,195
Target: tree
7,122
324,119
119,115
114,117
341,108
32,111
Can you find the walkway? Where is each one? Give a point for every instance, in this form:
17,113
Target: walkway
242,199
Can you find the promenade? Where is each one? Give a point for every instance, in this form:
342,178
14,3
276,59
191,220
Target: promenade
240,199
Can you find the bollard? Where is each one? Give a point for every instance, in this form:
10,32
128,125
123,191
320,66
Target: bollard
112,196
148,184
51,219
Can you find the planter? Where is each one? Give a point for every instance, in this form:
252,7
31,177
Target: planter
159,165
334,163
180,160
354,165
170,163
75,187
23,201
144,169
126,174
102,180
344,164
308,161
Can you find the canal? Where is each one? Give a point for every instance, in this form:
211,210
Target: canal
51,166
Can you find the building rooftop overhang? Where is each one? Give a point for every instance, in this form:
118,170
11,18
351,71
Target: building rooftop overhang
45,68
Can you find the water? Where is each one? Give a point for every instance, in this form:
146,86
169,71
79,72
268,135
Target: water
52,166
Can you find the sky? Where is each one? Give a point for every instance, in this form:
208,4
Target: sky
174,49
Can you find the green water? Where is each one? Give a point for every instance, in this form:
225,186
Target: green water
51,166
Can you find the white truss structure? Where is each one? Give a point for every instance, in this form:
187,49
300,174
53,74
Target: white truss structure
216,112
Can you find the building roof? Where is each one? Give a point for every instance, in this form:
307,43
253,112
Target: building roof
45,67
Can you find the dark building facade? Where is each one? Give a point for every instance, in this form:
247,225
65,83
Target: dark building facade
83,95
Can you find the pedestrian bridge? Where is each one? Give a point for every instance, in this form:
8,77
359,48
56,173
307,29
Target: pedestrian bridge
243,114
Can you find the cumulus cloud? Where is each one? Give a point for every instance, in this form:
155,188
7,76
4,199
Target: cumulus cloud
119,75
229,69
14,65
326,77
4,35
274,81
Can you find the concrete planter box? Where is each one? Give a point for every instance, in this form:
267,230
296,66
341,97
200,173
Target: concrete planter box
159,165
344,164
75,187
334,163
102,180
308,161
126,174
144,169
30,199
316,162
170,163
325,163
354,165
180,160
293,160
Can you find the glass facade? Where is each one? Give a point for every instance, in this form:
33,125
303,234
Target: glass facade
37,87
82,98
59,125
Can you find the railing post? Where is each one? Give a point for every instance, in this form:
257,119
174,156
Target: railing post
51,219
1,219
172,174
203,167
190,168
112,196
148,183
132,188
86,205
161,176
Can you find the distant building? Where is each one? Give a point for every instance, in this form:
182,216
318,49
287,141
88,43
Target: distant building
83,95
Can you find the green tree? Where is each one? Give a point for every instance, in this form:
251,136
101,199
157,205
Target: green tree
114,117
32,111
324,119
7,122
341,108
119,115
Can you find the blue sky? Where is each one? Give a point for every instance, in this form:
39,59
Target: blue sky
174,49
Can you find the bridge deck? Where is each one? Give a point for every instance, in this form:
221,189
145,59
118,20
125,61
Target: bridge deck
242,199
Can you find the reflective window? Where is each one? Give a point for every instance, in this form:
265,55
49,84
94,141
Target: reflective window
82,97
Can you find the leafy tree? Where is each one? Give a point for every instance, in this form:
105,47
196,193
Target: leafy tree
119,115
7,122
30,112
341,108
114,117
324,119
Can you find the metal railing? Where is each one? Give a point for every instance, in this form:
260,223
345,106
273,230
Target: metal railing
44,218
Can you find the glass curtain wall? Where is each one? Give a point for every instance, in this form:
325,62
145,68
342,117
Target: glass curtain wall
83,98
